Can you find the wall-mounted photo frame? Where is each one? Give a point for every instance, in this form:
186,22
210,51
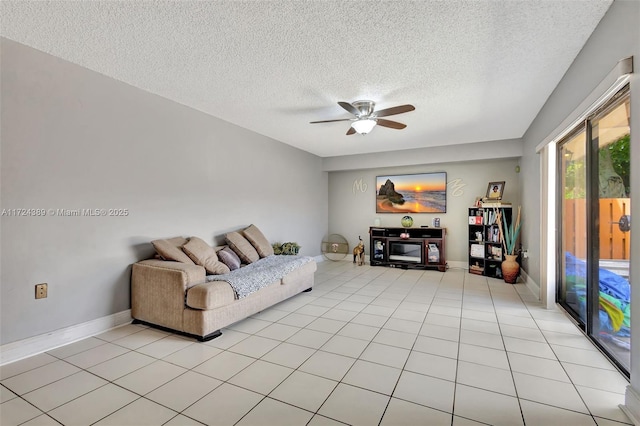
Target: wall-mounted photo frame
412,193
495,190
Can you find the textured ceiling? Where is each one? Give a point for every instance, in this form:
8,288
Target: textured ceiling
475,70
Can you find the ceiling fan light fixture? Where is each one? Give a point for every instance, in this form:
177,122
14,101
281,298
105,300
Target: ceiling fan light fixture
366,118
364,125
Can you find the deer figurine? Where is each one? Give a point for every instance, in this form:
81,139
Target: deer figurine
358,253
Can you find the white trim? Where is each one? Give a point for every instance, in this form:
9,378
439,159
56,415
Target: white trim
456,264
533,286
489,150
367,261
15,351
612,83
631,405
548,227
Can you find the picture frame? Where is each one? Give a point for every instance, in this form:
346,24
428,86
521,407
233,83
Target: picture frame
477,251
495,190
496,252
412,193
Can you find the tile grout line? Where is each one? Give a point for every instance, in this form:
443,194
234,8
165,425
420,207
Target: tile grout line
506,352
414,284
560,362
455,384
369,344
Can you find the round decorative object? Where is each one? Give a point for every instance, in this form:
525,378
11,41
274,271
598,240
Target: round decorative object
335,247
407,221
625,223
510,269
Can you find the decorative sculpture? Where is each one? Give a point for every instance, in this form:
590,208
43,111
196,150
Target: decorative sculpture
358,253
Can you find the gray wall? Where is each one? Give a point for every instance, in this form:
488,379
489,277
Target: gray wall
73,139
486,150
616,37
352,212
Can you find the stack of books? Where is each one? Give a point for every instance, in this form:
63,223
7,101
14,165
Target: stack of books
488,202
489,217
476,269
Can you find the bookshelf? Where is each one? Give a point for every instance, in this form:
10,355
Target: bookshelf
486,252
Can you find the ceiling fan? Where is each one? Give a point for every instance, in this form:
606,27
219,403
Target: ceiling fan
366,118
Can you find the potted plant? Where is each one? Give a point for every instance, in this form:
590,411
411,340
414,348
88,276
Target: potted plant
290,248
509,236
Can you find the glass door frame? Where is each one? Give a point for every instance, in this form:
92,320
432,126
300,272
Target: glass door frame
559,237
592,323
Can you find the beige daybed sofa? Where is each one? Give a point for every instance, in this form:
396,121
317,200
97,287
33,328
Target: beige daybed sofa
174,292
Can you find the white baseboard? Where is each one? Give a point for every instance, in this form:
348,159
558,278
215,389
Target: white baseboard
367,261
25,348
530,283
631,405
457,264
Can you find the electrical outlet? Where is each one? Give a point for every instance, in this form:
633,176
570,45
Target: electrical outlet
525,254
41,291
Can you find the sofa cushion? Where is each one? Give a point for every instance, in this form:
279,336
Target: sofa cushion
210,295
242,247
258,241
229,258
204,255
171,249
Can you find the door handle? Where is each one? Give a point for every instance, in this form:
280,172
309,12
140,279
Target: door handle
624,223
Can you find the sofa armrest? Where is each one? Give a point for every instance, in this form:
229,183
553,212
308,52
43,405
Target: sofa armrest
193,274
158,289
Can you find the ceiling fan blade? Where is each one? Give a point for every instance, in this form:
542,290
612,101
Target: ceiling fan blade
394,110
391,124
330,121
351,131
353,110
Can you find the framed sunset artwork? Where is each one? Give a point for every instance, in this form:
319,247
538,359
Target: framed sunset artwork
415,193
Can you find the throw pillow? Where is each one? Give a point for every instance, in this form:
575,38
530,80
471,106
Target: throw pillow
204,255
229,258
258,241
172,250
242,247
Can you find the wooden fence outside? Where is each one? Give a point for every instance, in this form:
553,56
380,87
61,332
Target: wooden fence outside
614,244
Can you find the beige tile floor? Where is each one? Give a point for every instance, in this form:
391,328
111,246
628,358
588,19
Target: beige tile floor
368,346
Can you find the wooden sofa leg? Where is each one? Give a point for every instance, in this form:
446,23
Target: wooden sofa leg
307,290
210,336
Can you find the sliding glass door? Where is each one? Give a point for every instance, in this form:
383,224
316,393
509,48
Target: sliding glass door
573,172
593,282
610,140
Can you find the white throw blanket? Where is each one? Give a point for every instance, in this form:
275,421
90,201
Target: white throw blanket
261,273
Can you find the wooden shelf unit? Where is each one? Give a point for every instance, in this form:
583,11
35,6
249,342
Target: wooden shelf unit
416,248
486,252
